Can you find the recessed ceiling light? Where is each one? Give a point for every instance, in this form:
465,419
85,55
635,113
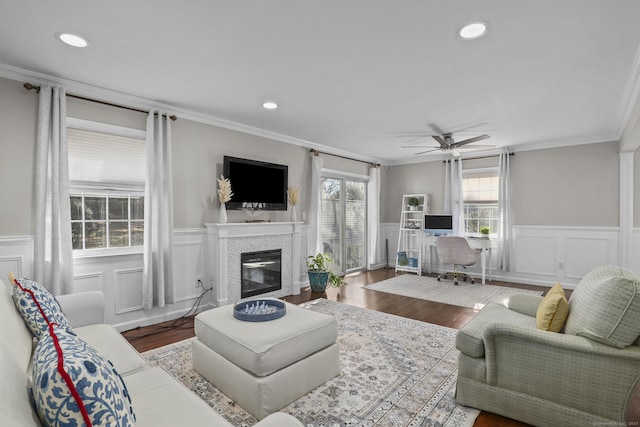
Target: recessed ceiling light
269,105
72,40
473,30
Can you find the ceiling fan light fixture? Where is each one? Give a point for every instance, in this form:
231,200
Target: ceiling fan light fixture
455,153
72,40
473,31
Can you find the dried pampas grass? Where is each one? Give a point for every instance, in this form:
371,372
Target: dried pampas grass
293,193
224,189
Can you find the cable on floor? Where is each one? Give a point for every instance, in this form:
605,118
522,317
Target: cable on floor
177,324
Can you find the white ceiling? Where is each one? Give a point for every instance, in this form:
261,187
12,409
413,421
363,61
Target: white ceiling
351,76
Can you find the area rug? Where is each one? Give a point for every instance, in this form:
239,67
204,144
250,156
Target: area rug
464,295
394,372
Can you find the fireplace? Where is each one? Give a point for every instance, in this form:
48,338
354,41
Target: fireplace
260,272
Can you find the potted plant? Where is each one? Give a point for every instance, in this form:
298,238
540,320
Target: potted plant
484,231
413,203
319,274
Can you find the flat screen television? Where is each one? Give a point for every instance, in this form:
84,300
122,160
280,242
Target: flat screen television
256,185
438,224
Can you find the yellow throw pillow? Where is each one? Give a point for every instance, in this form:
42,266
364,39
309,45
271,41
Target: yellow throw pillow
553,310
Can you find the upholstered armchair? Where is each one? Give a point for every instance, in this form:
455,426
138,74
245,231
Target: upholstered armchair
584,375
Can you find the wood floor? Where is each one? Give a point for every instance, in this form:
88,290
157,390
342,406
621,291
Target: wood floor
451,316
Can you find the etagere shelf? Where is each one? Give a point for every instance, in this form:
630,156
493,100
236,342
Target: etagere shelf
409,253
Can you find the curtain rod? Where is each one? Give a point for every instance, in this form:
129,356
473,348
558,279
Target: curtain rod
316,152
476,158
29,86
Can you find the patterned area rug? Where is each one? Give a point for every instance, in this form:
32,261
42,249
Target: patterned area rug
394,372
464,295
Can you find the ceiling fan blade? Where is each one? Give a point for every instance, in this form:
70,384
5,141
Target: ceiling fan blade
442,142
470,140
427,151
436,130
418,146
475,147
469,127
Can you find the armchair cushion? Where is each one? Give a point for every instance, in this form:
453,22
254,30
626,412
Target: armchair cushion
605,307
524,303
470,340
553,310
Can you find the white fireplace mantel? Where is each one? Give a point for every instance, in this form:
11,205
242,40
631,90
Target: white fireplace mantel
225,243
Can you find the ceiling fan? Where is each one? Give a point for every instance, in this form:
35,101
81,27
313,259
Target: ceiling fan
448,144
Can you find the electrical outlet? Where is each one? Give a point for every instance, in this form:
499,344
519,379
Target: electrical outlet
561,265
199,283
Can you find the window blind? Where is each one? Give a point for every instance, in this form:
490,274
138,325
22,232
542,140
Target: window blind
103,158
480,187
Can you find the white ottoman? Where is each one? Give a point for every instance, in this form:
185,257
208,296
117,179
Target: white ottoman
264,366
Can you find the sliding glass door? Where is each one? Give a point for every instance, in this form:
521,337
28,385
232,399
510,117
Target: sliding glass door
344,222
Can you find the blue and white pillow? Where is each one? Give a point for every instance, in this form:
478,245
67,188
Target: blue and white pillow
37,306
85,390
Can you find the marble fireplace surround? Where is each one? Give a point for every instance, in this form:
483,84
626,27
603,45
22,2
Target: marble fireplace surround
225,243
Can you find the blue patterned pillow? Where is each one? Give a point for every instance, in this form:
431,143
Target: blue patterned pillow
37,306
85,390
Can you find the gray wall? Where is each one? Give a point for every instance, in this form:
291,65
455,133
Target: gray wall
576,185
569,186
18,112
198,151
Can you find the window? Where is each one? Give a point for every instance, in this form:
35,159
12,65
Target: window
344,222
106,220
480,195
106,174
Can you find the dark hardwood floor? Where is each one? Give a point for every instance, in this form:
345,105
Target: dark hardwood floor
451,316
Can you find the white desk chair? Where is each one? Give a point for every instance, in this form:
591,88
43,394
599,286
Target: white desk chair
456,250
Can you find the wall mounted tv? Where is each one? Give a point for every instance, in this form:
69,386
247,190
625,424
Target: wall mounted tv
438,224
256,185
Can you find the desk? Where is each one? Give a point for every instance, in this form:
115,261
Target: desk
475,242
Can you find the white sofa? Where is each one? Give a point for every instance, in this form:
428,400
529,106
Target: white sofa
158,399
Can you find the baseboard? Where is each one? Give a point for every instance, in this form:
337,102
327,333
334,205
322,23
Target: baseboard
159,318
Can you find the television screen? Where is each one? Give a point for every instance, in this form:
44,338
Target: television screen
438,224
256,185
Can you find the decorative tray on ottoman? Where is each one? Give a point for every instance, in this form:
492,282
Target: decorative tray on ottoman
259,310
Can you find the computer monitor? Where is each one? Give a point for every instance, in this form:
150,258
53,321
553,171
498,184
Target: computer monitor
438,224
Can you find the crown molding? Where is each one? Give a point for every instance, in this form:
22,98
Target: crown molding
106,95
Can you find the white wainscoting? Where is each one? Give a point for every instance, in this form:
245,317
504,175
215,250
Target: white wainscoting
545,255
16,256
541,256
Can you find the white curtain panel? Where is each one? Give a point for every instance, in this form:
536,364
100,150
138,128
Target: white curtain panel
453,201
505,234
373,215
315,206
158,286
53,250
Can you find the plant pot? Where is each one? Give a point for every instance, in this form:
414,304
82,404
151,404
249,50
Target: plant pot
318,280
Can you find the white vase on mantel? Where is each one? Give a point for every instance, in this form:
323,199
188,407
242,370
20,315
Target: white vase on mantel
223,214
294,215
